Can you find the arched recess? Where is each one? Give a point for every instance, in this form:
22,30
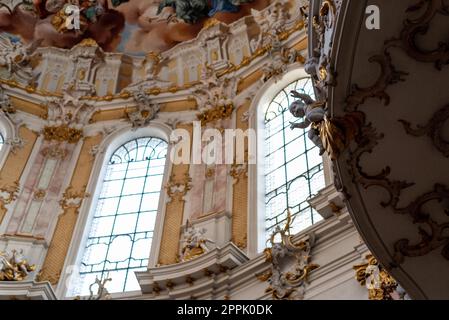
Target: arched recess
86,214
257,211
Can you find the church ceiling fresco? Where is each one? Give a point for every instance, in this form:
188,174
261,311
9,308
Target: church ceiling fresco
131,26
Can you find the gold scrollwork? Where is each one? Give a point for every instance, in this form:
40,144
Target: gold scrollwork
62,133
288,282
72,199
8,193
219,112
372,275
178,188
14,266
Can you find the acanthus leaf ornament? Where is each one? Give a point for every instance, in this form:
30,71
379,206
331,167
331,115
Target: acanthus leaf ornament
8,193
388,75
214,96
290,264
408,39
434,235
177,188
433,129
72,199
145,110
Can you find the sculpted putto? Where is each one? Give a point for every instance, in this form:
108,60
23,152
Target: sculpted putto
313,113
194,243
14,266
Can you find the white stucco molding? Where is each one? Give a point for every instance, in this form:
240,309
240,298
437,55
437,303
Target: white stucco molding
26,290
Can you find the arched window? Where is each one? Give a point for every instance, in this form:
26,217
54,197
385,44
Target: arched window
121,231
2,141
293,168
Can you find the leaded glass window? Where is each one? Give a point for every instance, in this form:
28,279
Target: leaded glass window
292,165
121,232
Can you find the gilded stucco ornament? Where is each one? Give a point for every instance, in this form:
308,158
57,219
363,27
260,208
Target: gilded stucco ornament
214,96
15,59
290,264
177,188
8,193
371,274
273,31
62,133
72,199
194,243
280,58
144,111
319,64
14,266
66,116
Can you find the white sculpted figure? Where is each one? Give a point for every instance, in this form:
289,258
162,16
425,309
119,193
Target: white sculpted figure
14,56
194,242
312,111
14,266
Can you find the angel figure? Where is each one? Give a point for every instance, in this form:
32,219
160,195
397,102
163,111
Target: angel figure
313,113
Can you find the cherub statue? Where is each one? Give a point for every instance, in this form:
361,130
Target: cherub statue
313,112
194,242
21,263
13,266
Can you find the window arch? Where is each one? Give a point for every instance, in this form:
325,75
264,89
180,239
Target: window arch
121,232
293,168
